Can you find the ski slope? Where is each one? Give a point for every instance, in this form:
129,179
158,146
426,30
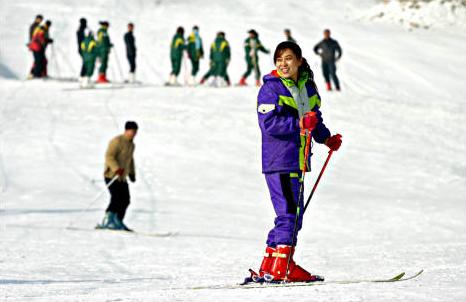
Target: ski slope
392,199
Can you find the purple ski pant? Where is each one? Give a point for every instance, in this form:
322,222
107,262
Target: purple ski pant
284,192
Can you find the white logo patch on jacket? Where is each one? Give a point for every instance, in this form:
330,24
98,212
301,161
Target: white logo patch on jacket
265,108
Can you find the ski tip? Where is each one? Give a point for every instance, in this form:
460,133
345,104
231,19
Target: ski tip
398,277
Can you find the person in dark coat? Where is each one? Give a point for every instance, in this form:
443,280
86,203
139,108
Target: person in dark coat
288,36
80,35
330,52
131,52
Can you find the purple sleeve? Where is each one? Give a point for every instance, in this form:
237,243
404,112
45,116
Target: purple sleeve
320,132
274,122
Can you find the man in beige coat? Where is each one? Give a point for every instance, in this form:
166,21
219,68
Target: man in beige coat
119,162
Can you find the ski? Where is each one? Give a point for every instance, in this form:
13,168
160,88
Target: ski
122,232
253,284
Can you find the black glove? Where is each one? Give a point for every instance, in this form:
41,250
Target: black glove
132,177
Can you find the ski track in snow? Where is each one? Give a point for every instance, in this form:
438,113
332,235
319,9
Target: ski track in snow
391,200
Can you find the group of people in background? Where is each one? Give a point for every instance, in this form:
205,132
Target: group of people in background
220,54
39,39
93,48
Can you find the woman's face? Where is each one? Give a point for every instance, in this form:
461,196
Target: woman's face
288,64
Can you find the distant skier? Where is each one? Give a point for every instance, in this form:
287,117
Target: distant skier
131,52
177,47
37,46
251,47
330,52
89,53
288,110
80,36
37,23
48,41
288,36
219,60
119,162
103,45
195,52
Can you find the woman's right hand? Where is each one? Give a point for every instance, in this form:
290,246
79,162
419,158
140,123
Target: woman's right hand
308,121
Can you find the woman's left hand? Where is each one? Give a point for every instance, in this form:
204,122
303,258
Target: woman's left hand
334,142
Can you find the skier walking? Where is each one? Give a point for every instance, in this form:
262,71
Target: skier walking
176,55
119,162
48,41
103,45
89,53
288,36
330,52
37,46
219,60
131,52
195,52
36,24
288,111
252,46
80,36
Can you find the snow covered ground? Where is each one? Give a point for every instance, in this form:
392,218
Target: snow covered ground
393,198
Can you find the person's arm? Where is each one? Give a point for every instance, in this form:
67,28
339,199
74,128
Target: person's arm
271,119
227,53
110,156
261,47
320,133
316,48
338,50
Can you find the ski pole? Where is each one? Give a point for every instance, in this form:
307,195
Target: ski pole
93,201
318,180
298,206
119,65
55,61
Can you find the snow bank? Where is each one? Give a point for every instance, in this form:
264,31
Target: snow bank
420,14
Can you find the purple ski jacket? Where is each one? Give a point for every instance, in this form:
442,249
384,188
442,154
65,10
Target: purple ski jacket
277,110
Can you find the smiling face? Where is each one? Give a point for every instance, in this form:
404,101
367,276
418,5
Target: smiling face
288,64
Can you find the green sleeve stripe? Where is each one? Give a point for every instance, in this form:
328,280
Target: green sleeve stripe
287,100
314,100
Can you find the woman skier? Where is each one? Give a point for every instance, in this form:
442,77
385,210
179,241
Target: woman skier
288,111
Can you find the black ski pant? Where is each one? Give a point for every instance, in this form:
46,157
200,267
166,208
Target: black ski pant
39,63
330,73
132,63
120,198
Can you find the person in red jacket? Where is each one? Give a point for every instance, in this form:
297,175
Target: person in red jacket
37,46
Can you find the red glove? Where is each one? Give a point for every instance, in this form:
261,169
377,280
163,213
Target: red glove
334,142
309,120
120,172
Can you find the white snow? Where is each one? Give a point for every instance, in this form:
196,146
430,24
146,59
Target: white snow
392,199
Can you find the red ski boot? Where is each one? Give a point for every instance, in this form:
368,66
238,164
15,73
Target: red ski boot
296,273
258,83
102,79
242,82
267,262
329,86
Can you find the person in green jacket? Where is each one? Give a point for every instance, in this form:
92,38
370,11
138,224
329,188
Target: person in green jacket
103,46
89,55
176,55
252,46
219,58
195,52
